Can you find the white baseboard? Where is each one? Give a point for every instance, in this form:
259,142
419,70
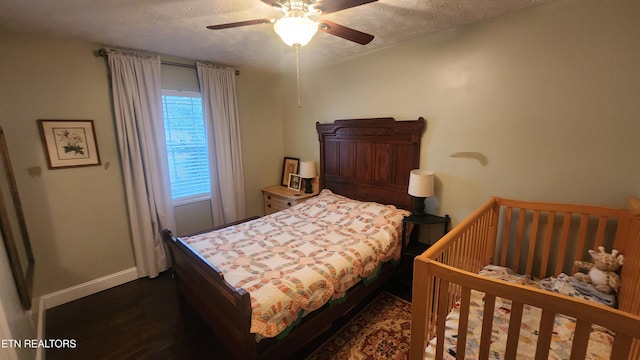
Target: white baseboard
76,292
89,288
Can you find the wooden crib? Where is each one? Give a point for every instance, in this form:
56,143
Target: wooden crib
540,239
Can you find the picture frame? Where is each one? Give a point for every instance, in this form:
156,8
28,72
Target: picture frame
295,182
289,166
69,143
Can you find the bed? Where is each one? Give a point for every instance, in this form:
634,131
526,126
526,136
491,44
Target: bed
364,162
514,260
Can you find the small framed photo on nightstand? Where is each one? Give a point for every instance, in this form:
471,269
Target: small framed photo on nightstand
294,182
290,166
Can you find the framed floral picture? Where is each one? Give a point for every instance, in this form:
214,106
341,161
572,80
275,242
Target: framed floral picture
290,166
69,143
294,182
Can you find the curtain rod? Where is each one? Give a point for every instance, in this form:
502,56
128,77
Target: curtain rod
190,66
103,52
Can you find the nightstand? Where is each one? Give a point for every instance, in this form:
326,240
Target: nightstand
279,197
414,244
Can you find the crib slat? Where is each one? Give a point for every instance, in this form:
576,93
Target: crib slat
490,240
472,248
635,350
519,236
463,324
625,230
582,237
580,340
562,247
546,247
621,346
532,241
443,309
602,225
505,236
515,321
487,325
486,247
456,252
545,332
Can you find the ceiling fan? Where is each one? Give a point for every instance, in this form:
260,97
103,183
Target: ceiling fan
296,27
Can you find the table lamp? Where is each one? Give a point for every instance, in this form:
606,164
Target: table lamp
420,187
308,173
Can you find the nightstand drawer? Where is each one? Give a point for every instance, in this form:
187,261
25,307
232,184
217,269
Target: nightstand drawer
277,198
270,207
279,202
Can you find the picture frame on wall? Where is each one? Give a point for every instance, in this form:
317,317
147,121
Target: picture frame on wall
69,143
290,166
295,182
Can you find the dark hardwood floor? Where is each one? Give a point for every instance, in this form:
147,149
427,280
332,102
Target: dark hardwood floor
142,319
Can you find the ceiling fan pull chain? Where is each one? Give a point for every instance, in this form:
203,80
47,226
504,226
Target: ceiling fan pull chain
298,75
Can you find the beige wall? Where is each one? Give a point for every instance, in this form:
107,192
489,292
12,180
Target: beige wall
76,217
541,104
261,130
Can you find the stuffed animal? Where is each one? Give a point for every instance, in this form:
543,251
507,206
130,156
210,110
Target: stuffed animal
602,273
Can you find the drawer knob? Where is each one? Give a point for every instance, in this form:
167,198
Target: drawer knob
269,205
269,197
289,203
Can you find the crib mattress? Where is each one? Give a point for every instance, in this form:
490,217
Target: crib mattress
296,260
600,340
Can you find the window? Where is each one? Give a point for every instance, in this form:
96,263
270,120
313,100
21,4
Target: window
187,150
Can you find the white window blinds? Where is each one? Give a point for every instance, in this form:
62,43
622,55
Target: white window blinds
187,149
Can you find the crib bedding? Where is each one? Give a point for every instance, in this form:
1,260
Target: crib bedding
600,340
296,260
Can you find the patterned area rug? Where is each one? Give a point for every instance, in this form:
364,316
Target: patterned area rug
380,331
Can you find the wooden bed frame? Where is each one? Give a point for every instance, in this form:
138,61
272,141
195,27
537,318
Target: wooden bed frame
446,272
364,159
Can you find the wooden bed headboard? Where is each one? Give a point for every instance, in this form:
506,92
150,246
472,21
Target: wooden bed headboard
370,159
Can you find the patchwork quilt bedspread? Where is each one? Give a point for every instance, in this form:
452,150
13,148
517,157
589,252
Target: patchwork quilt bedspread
600,340
296,260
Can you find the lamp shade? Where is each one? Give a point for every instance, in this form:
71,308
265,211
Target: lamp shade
421,183
295,28
307,169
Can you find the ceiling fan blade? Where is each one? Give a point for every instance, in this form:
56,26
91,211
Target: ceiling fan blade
278,5
240,23
329,6
344,32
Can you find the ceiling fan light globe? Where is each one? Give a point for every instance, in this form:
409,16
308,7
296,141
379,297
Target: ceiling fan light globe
295,29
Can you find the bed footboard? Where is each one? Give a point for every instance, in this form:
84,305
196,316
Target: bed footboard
227,310
541,239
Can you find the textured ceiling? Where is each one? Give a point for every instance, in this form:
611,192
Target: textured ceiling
178,27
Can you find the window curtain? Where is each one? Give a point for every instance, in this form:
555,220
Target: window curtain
137,103
218,88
